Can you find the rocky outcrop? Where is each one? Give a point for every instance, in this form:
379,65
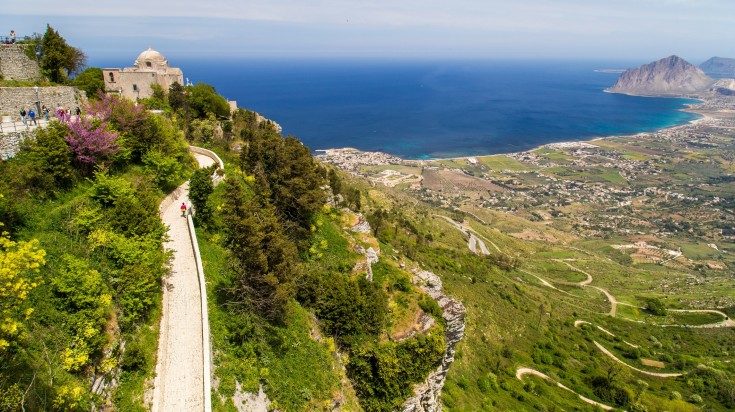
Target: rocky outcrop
259,119
725,87
427,394
672,76
719,67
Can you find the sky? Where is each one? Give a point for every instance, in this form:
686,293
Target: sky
611,30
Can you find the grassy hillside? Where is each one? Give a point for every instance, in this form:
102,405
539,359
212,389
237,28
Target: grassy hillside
515,320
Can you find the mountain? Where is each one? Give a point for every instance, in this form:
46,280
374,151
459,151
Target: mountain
719,67
666,77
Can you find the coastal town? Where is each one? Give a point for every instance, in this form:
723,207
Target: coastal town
671,187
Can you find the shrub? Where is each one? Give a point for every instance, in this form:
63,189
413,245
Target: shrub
656,307
163,169
382,373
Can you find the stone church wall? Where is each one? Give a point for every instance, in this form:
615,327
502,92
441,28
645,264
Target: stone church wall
15,65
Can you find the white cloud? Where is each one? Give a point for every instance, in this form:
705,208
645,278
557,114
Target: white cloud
530,27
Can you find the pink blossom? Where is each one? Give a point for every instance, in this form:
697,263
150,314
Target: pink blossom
122,113
91,141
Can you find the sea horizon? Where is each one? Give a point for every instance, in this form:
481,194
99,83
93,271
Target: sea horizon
427,109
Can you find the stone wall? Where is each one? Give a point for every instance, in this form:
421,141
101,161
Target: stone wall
10,142
13,98
15,65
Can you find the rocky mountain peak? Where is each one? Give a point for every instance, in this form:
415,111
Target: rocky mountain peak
669,76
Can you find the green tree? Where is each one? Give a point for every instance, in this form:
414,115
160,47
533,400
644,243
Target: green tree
163,169
203,99
59,59
158,100
346,306
203,130
90,81
48,159
177,96
265,261
656,307
200,188
293,179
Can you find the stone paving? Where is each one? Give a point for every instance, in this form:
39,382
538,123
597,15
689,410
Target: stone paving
179,373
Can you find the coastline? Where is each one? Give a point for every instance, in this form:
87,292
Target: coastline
704,116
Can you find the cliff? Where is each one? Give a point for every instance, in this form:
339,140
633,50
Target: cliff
671,76
427,394
719,67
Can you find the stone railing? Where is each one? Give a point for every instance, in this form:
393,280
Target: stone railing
206,343
212,155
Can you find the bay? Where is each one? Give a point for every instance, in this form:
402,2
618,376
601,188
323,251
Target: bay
435,109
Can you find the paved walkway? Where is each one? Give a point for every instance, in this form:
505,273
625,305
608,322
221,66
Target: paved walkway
179,372
18,126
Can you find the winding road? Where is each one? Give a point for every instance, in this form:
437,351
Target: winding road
521,372
473,239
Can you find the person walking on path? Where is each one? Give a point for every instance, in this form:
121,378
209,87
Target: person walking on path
12,36
45,112
23,116
32,115
183,209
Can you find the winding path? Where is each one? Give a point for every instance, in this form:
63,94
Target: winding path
521,372
727,322
473,240
181,383
615,358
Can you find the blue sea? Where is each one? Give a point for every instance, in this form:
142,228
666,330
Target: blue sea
430,109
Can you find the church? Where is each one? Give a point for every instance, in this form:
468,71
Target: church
135,82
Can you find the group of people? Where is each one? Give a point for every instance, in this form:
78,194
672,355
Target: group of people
10,39
65,114
29,116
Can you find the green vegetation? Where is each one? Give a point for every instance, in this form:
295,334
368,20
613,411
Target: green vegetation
58,60
91,82
100,237
293,309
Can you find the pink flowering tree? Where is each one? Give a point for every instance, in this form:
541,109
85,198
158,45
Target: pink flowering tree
91,141
131,120
123,114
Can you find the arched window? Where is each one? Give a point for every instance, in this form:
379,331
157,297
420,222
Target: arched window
112,77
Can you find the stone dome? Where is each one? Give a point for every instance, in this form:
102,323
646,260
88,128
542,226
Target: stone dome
151,59
151,55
